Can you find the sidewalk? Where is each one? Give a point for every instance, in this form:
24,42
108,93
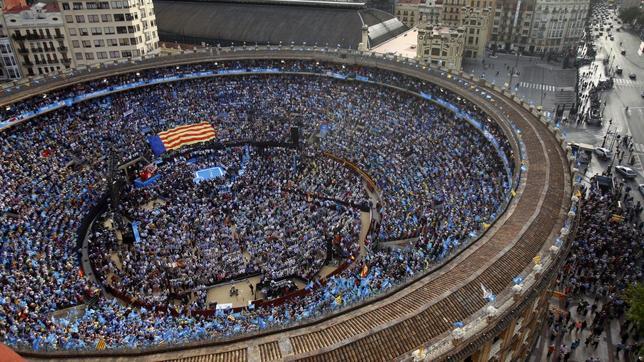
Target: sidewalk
559,343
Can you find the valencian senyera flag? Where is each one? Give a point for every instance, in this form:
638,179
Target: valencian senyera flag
178,137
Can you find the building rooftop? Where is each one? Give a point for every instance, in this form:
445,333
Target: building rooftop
404,44
226,22
49,7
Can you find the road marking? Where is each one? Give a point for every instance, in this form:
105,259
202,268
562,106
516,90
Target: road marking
545,87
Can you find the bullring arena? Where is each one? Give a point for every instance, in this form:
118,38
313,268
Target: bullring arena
269,203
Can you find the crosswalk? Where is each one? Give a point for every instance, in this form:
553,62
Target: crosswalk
544,87
626,82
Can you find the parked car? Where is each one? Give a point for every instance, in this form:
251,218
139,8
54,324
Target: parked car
623,52
603,153
619,70
626,172
632,76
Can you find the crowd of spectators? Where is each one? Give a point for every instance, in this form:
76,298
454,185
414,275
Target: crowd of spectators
273,213
606,257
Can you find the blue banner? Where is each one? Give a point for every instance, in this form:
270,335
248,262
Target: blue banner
135,231
157,145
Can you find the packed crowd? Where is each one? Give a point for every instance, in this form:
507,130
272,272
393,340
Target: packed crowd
195,235
606,257
439,181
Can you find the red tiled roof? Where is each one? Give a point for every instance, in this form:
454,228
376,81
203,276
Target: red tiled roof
17,8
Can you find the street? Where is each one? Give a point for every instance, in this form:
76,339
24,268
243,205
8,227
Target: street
626,92
546,84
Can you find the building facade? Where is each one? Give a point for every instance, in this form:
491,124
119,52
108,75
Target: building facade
474,16
538,26
110,30
9,67
476,26
441,46
39,39
408,11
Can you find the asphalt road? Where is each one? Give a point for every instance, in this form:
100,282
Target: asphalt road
625,93
537,81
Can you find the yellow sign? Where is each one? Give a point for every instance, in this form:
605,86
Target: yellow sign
537,259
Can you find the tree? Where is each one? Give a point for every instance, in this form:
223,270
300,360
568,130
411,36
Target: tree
635,299
629,14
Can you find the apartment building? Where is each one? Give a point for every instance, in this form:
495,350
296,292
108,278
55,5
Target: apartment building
408,12
538,26
476,23
474,16
37,33
9,67
430,11
441,45
110,30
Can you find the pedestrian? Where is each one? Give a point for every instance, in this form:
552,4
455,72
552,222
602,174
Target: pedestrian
551,349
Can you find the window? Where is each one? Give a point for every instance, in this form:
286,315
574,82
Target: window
80,18
99,43
115,54
133,41
109,30
105,18
124,41
78,6
87,44
92,18
117,5
69,19
97,31
89,56
79,56
119,17
75,44
91,5
101,55
126,54
65,6
112,42
72,31
103,5
83,31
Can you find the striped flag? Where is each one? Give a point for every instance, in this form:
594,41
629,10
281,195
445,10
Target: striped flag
178,137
